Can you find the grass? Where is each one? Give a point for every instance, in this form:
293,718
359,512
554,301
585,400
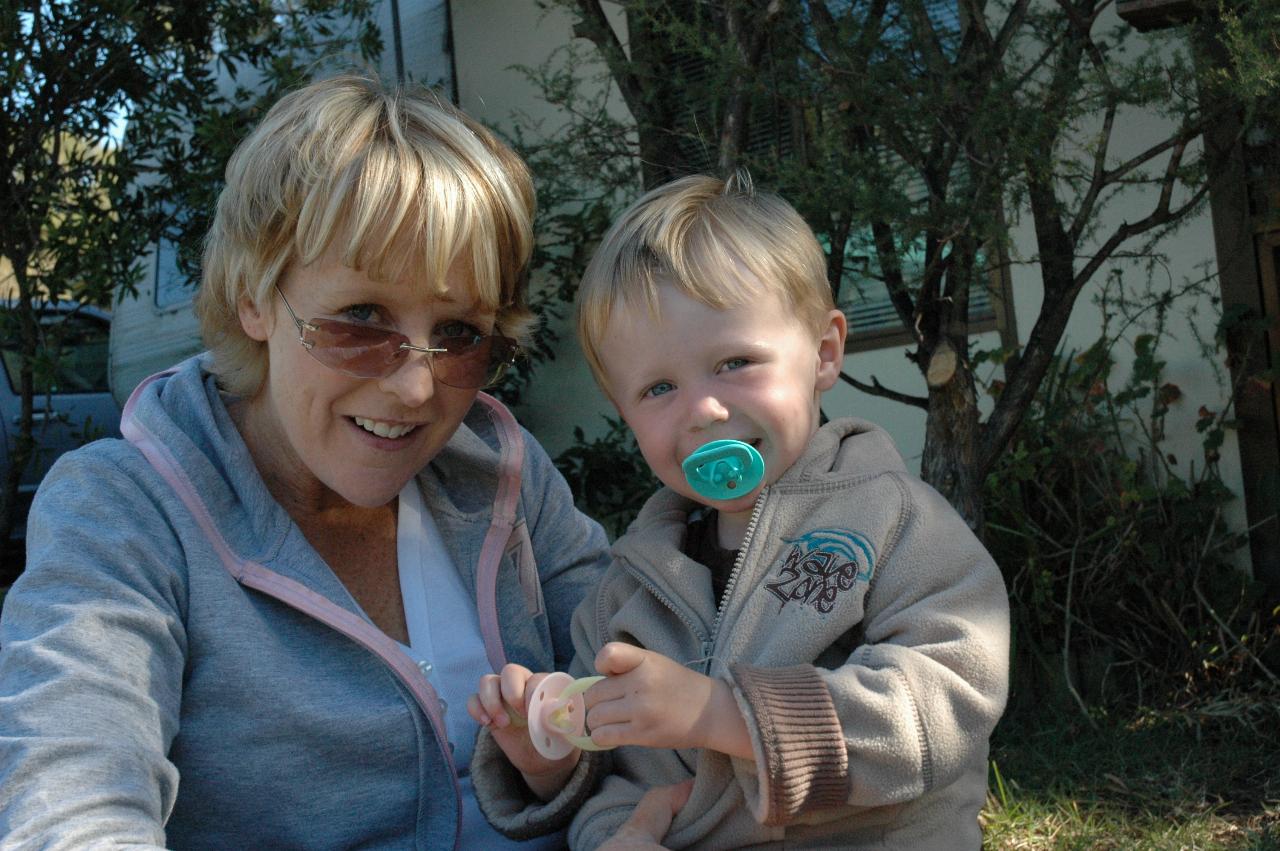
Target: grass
1202,778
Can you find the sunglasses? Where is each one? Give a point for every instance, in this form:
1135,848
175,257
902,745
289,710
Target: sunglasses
467,363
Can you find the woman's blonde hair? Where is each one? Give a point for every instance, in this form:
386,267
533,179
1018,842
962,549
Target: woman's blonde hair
698,234
394,181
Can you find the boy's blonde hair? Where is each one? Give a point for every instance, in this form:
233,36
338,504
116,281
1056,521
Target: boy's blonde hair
697,234
395,181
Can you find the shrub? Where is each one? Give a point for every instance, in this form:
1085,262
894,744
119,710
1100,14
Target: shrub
1121,569
608,475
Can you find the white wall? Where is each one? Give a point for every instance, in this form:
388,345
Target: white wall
490,37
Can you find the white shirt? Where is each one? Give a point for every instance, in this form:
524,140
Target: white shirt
445,639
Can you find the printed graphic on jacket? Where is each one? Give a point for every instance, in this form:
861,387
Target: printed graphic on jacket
820,566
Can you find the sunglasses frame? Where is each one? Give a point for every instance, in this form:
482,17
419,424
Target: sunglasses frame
394,362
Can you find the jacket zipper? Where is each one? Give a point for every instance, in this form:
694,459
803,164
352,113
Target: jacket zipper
665,600
708,646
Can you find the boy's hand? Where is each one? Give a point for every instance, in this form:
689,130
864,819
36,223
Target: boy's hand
653,701
499,704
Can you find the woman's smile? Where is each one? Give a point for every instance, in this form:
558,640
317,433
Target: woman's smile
382,428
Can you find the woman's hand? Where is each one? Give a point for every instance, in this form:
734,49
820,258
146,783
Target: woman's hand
653,701
499,705
651,819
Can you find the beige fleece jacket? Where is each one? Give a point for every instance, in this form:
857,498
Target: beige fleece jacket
865,633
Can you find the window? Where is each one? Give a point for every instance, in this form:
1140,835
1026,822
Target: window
172,287
873,320
79,344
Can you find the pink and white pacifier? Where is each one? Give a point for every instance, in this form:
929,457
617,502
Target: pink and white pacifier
558,716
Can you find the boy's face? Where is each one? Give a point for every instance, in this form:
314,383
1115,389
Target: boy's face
752,373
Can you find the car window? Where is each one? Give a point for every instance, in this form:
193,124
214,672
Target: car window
77,360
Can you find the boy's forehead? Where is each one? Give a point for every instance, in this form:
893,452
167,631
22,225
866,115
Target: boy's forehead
624,326
633,325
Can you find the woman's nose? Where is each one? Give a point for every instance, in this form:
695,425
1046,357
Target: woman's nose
412,382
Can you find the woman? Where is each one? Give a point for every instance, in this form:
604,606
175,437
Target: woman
256,621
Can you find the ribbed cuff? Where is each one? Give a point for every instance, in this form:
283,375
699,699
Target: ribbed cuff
499,787
804,764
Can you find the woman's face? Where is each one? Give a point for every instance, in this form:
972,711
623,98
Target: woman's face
317,433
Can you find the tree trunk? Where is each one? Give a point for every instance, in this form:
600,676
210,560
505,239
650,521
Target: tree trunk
657,119
24,443
951,460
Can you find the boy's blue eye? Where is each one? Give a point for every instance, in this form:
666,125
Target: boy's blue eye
660,388
736,363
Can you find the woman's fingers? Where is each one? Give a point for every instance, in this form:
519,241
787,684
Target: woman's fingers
651,819
485,706
477,712
499,697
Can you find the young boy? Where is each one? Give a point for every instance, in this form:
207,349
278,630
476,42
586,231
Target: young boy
825,653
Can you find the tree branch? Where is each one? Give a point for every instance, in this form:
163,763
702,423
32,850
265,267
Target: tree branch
1062,286
875,388
1179,139
925,37
1057,252
1098,180
1162,215
749,47
891,269
1012,23
594,26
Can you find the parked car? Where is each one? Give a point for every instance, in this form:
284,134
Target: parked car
72,406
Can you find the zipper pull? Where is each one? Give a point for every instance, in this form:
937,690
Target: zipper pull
707,647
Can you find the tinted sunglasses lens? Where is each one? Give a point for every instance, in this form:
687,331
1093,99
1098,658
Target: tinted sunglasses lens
355,349
471,362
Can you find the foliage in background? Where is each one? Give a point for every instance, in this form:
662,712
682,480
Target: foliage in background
910,132
83,199
608,475
1121,567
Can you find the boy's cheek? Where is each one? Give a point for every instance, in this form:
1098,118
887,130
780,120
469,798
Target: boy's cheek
679,485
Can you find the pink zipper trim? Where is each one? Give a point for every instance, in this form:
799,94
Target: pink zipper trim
511,458
300,597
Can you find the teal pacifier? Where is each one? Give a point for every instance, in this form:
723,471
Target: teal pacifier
724,469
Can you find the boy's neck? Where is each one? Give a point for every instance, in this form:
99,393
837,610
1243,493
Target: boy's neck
731,528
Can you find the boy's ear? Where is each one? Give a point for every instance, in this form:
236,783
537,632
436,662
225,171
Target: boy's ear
255,322
831,349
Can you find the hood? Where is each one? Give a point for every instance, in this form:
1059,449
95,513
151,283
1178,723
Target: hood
845,447
183,411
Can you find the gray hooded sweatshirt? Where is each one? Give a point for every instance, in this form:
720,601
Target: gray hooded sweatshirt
189,671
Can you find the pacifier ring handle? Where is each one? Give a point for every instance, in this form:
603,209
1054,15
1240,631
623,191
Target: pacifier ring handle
723,469
558,716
